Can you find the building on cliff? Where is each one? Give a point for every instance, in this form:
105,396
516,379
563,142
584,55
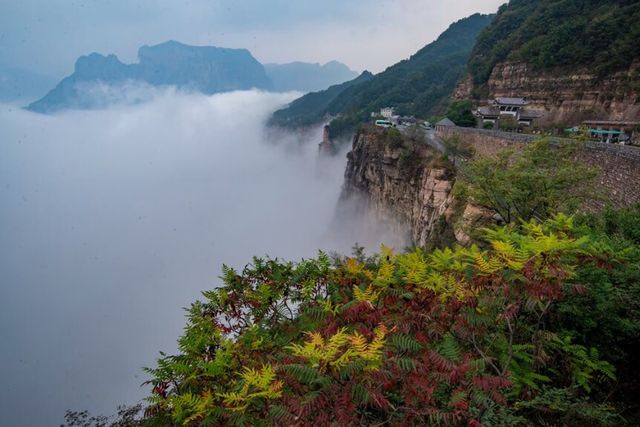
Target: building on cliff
387,112
507,107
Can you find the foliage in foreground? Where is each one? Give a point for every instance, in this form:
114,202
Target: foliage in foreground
452,337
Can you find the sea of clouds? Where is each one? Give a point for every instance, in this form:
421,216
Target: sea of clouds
113,220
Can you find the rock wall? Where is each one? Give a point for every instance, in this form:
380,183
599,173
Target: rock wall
327,146
402,187
565,96
618,165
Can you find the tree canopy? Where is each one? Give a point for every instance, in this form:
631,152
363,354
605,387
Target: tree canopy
542,180
460,112
600,34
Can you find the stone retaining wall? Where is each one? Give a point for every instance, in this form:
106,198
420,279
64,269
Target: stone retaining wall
618,165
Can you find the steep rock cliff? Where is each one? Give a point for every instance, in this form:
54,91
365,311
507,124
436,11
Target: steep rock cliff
563,95
402,184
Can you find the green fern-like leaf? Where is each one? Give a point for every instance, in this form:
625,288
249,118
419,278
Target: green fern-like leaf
305,374
405,343
406,364
449,348
360,394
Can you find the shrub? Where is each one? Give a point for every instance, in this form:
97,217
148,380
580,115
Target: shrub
450,337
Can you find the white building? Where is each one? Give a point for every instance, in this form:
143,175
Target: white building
387,112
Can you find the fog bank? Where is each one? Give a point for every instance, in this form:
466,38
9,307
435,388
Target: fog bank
111,221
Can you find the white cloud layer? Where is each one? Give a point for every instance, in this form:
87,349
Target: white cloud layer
113,220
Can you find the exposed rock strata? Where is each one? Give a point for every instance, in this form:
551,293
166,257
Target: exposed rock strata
565,96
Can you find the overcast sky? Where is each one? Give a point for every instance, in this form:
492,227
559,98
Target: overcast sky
48,35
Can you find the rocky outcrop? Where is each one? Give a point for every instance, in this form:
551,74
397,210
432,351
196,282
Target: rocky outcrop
566,96
327,147
464,88
403,185
473,217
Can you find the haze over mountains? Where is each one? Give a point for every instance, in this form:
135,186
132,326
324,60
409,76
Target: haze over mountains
550,52
418,85
98,79
305,77
18,84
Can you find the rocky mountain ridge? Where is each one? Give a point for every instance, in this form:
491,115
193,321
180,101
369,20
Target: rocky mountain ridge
202,69
416,86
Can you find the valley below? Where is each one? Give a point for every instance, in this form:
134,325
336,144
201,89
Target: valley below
113,220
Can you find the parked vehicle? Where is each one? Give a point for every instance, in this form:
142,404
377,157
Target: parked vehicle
384,123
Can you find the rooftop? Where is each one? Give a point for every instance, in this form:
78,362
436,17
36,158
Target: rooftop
511,101
489,111
530,114
445,122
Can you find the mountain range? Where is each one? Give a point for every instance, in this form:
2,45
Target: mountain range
418,85
203,69
573,60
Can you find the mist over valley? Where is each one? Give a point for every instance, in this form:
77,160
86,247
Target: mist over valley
113,220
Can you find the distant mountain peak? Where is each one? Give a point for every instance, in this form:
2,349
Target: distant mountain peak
205,69
95,62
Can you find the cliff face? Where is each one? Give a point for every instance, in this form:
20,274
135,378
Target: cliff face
327,146
400,185
564,96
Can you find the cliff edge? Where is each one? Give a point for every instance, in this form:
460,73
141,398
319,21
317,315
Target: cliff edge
399,182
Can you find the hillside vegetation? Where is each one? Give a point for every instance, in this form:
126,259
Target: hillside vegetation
452,337
601,34
536,324
313,107
418,85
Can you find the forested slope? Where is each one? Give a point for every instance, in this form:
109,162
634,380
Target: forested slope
418,85
601,34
